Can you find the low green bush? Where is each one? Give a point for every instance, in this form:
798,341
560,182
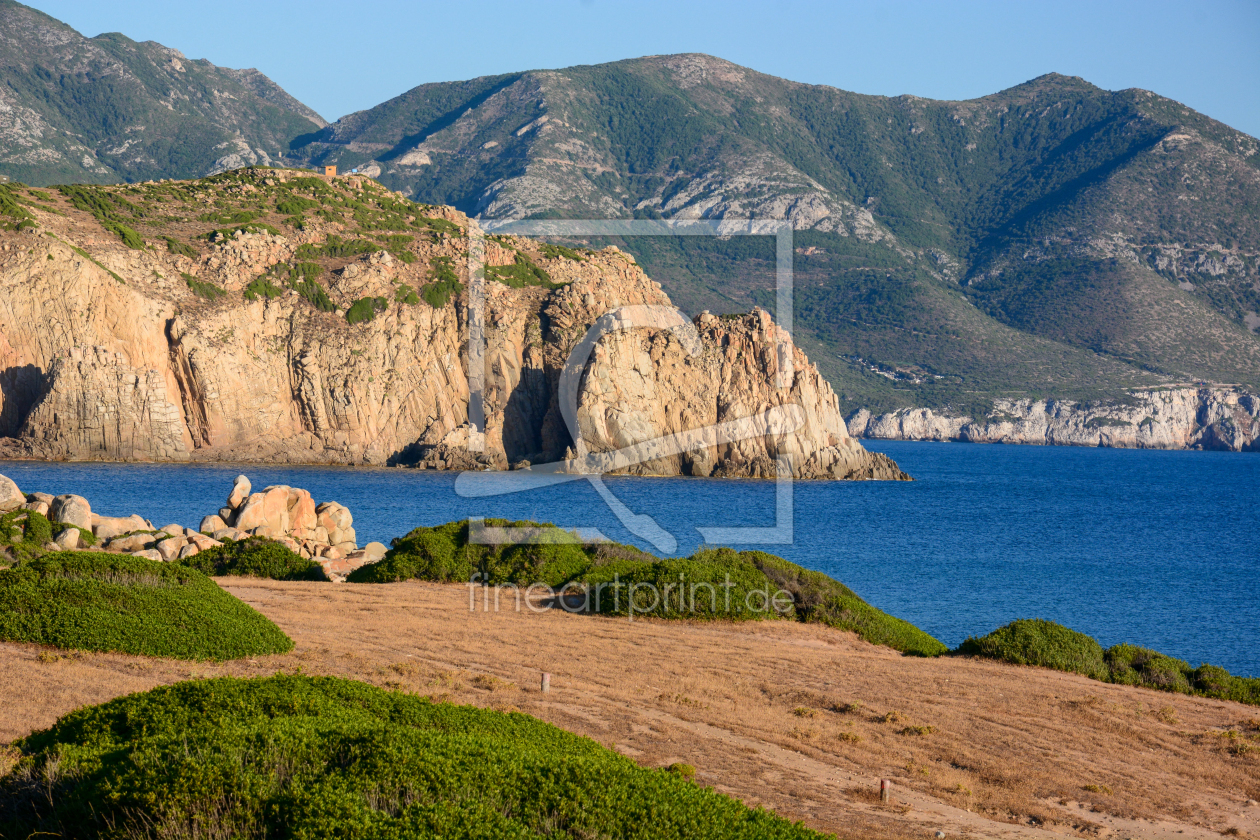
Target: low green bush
365,309
312,757
521,273
256,557
552,251
446,283
438,225
178,248
824,600
1050,645
1133,665
295,205
406,294
23,535
1034,641
202,288
713,583
262,287
439,554
96,601
335,247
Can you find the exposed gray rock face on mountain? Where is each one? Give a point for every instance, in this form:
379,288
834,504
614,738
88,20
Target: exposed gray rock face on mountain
1173,418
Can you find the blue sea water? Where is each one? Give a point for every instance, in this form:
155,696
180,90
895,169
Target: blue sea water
1156,548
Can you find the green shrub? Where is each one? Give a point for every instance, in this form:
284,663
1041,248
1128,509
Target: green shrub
551,251
438,225
18,217
820,599
335,247
23,534
686,771
446,284
202,288
262,287
295,205
365,309
553,564
307,757
406,294
174,246
711,583
439,554
1212,681
521,273
95,601
1133,665
256,557
106,208
1038,642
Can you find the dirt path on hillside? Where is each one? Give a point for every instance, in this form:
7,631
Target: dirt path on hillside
803,720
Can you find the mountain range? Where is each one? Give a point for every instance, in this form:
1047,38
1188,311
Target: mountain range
1053,240
110,109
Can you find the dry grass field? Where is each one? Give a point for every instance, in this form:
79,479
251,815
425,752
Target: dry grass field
801,719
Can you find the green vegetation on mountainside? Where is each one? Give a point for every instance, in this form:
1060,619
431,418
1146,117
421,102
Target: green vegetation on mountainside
1049,645
110,602
307,757
109,109
1050,239
621,580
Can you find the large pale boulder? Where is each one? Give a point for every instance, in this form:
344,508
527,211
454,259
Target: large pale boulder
212,524
133,543
170,548
333,517
268,510
301,510
11,498
72,510
107,527
374,552
68,540
148,554
40,507
240,492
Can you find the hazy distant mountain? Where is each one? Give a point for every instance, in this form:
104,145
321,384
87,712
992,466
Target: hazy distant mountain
1052,239
108,108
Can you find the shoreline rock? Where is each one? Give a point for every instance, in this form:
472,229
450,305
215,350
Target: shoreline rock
1223,419
323,533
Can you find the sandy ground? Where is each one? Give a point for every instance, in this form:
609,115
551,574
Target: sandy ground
803,720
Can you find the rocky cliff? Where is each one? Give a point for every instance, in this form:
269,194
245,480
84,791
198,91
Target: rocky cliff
1168,418
268,315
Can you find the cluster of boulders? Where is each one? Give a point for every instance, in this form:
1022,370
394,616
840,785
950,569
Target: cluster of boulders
288,515
72,519
323,532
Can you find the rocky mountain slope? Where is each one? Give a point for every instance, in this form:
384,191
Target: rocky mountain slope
107,109
1053,240
271,315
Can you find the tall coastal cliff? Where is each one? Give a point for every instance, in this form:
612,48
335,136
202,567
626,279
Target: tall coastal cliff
1166,418
268,315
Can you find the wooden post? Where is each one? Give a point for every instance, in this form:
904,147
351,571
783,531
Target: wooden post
546,682
885,790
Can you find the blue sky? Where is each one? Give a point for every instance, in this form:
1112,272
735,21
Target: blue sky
343,57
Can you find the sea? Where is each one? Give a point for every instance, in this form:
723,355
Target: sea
1155,548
